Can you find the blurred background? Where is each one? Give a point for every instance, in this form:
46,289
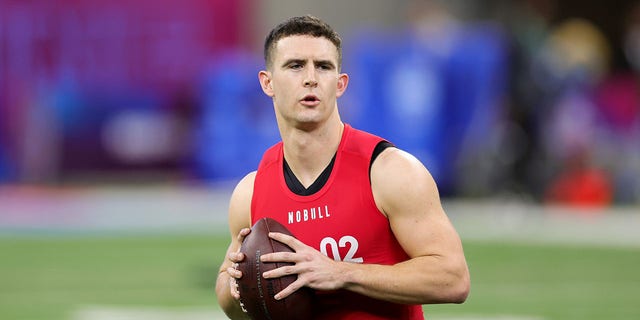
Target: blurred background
530,99
122,121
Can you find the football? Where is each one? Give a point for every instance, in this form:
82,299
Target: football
256,292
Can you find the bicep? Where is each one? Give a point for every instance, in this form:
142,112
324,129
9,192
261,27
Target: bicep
407,194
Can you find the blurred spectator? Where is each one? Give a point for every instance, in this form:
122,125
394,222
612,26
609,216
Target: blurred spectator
577,55
529,93
618,106
580,183
567,104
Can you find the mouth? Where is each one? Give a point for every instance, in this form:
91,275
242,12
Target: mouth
310,100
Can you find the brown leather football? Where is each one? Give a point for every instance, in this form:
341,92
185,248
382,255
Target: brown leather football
256,292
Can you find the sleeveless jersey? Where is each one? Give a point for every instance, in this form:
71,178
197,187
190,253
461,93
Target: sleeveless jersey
341,220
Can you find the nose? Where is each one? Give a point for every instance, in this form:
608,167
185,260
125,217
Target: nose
310,79
310,83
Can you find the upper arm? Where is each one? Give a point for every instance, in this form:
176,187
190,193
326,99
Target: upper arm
407,194
239,212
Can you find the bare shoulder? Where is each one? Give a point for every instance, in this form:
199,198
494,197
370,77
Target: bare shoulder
398,177
395,159
240,203
244,188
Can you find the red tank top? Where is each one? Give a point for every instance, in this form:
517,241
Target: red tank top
341,220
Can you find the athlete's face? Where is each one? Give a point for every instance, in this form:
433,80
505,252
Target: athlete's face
304,80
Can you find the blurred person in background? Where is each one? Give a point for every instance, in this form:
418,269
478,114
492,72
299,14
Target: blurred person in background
580,183
618,104
378,199
527,24
577,56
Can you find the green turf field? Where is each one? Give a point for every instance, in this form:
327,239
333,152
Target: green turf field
53,277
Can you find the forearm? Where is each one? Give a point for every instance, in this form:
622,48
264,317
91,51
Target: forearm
422,280
229,305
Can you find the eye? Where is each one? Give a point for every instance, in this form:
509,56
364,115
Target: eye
295,66
325,66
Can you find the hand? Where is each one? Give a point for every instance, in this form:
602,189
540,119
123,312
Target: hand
235,258
314,269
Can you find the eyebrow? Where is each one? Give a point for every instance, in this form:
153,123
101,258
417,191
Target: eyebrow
304,62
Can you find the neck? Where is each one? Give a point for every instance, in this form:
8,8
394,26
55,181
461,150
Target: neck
308,152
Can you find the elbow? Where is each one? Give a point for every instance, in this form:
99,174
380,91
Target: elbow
455,293
456,288
460,290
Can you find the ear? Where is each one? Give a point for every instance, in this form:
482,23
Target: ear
265,82
343,82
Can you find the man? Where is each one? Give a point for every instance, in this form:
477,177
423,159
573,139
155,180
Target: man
371,236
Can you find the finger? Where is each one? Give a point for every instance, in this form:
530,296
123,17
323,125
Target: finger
291,241
236,257
243,233
279,272
293,287
233,287
234,273
279,257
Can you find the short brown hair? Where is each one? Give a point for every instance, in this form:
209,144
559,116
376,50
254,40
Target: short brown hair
303,25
